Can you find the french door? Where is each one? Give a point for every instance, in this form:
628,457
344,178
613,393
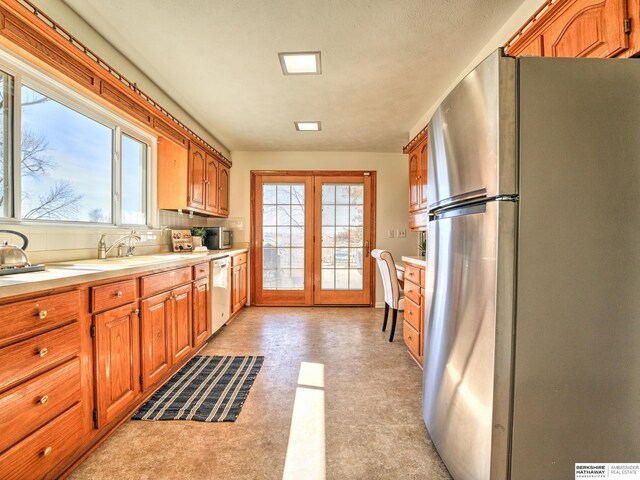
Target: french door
312,234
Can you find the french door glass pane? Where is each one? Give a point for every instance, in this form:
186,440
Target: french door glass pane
283,232
342,236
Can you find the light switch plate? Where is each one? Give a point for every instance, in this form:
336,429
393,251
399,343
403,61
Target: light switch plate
402,234
390,233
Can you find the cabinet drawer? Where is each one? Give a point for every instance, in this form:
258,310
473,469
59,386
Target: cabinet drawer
161,282
29,406
113,295
412,314
23,359
411,338
412,273
23,319
239,259
41,451
200,270
412,292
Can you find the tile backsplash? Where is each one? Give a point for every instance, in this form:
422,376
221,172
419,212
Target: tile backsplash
49,243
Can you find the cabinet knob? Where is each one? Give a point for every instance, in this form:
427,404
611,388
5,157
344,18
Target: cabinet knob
42,314
47,451
119,294
137,311
43,352
43,400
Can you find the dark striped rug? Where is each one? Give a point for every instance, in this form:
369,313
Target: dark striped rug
206,389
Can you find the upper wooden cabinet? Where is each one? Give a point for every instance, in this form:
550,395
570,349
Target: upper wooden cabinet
580,28
223,190
192,179
418,202
197,171
211,184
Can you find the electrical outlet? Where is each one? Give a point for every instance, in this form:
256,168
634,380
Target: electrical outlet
390,233
402,233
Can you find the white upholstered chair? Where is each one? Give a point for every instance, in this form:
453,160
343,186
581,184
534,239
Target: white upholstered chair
393,294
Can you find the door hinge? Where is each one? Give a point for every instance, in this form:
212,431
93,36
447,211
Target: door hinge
141,381
92,331
627,26
95,418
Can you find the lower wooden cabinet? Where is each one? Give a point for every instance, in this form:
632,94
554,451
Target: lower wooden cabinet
155,325
201,301
41,452
74,363
117,361
166,325
238,282
181,323
413,325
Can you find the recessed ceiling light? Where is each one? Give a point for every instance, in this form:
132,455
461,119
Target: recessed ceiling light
308,126
300,63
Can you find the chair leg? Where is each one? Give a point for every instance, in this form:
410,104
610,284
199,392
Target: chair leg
386,315
393,324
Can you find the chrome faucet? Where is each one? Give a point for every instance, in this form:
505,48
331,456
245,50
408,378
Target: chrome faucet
103,250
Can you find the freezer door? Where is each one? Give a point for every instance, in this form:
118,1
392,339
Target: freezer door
468,346
472,136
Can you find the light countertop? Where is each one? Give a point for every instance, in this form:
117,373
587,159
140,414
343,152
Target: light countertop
63,274
419,261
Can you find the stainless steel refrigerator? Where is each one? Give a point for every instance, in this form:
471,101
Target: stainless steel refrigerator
532,320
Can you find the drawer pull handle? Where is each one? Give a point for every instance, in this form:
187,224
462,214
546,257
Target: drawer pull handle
42,314
47,451
43,352
44,400
119,294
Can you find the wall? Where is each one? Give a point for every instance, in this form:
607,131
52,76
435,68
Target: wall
75,25
50,243
520,16
392,191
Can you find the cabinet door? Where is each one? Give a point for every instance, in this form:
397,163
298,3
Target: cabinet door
242,291
211,185
200,310
588,28
197,167
223,189
235,289
117,361
155,328
414,179
181,322
422,176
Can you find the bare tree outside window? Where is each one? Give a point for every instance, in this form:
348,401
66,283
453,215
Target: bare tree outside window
60,150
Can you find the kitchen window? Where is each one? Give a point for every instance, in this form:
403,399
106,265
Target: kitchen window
67,159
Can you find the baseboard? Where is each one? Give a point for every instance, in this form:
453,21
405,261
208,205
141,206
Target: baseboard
379,305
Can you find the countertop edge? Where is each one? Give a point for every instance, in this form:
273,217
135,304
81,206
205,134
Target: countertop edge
25,287
420,261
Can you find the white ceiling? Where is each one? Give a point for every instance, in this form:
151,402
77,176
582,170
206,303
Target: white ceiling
384,62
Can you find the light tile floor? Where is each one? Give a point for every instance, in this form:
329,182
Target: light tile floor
372,420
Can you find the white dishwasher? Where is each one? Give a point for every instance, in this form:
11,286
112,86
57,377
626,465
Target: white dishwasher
220,292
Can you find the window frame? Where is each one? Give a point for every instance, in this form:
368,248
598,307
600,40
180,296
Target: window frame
46,84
